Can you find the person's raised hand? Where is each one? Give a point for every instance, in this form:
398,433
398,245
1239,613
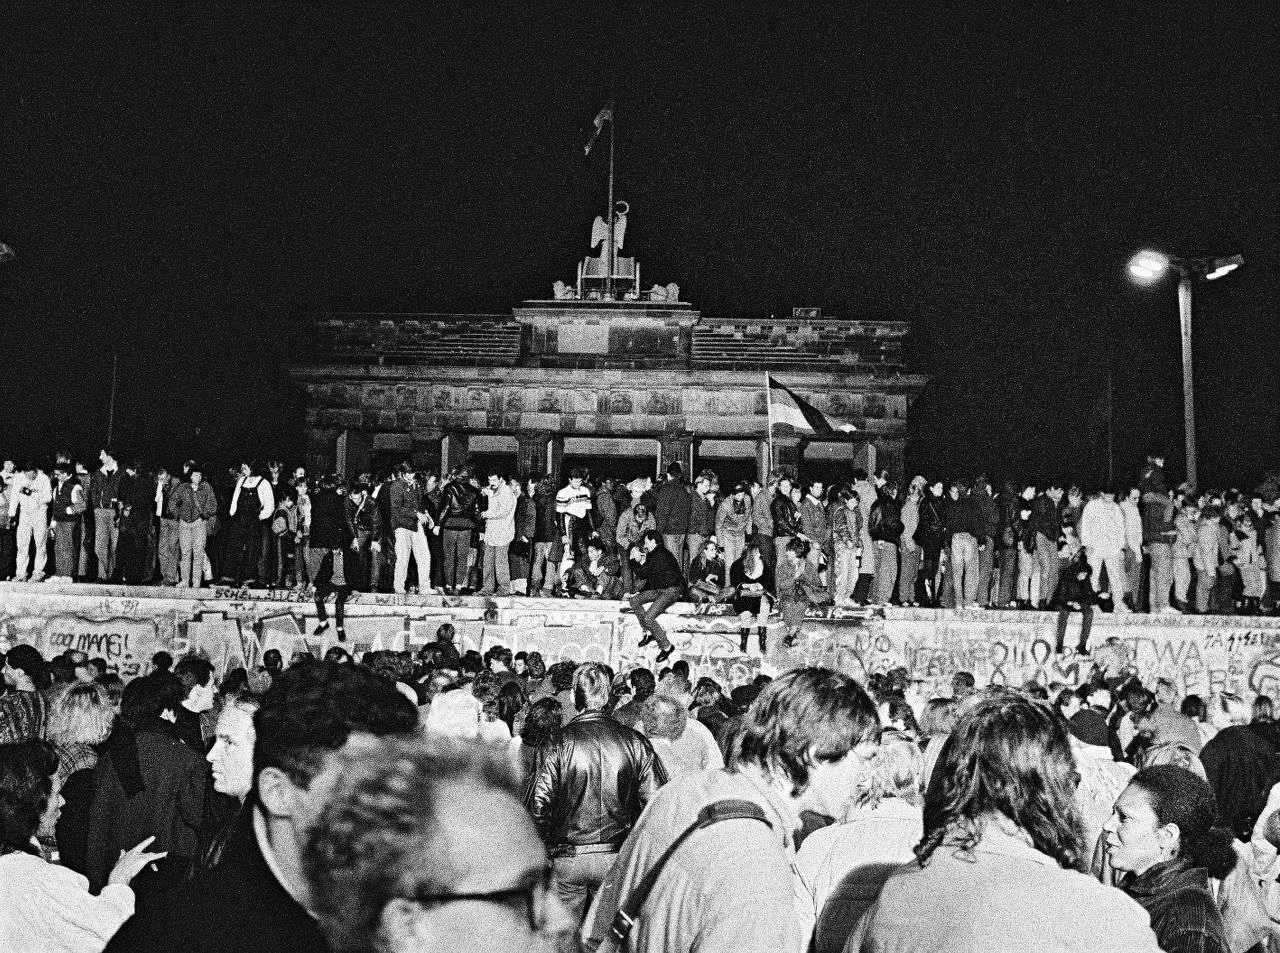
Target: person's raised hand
133,861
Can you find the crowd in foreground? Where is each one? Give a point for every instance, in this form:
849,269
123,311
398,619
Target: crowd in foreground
448,800
868,540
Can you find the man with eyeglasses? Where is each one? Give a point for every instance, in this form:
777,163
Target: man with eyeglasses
425,845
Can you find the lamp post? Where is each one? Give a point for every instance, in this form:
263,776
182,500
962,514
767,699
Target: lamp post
1148,267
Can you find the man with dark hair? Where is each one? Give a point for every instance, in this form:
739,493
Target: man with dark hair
66,511
104,486
256,897
590,790
573,509
499,531
405,502
195,672
459,510
661,584
805,744
643,685
426,846
136,508
673,505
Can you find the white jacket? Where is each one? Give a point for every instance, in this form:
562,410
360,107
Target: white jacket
500,517
49,908
1102,526
1132,525
30,505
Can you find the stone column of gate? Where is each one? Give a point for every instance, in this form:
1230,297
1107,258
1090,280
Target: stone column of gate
531,451
676,448
555,458
763,463
428,451
787,453
457,446
889,456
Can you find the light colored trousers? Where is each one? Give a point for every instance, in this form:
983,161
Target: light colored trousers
1116,575
169,551
105,536
410,543
845,576
886,572
912,556
33,531
1181,578
964,569
495,570
191,561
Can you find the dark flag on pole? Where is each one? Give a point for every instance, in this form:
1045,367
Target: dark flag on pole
788,407
604,115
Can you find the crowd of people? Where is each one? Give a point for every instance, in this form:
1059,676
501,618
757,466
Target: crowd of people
444,799
746,549
962,543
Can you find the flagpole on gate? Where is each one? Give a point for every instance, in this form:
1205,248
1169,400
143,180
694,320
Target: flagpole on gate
608,281
768,406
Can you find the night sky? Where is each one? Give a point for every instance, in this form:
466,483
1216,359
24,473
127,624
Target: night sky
185,183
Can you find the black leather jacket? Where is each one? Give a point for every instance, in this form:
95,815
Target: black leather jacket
459,506
591,788
786,518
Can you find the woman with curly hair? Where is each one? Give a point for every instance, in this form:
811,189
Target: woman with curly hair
998,867
1166,838
45,906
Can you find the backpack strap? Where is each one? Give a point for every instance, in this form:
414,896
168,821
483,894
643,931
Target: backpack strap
714,813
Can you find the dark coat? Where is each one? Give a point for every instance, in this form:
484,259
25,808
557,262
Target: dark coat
169,806
1241,768
660,571
459,506
329,526
672,504
237,906
930,532
702,516
786,518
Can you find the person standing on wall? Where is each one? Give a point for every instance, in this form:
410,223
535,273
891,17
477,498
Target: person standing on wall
672,508
405,499
499,531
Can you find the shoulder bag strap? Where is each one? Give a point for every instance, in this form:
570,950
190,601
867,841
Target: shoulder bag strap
625,918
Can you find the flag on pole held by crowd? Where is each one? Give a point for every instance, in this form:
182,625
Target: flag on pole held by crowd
604,115
787,407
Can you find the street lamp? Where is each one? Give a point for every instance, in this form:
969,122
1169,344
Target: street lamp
1146,268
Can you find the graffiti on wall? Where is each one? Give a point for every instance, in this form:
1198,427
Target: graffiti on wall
1201,654
126,644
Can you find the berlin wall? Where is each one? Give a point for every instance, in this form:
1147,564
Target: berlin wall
126,626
